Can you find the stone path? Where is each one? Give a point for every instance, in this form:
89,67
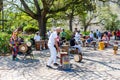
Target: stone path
96,65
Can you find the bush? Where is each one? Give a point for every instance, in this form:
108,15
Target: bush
30,29
86,33
68,34
4,42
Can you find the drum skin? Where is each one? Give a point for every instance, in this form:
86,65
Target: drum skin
78,57
29,44
23,48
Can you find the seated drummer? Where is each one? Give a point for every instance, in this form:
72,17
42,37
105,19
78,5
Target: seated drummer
75,45
37,37
105,39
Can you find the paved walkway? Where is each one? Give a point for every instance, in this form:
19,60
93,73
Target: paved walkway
96,65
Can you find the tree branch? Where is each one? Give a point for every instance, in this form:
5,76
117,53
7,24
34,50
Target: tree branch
64,8
27,9
37,7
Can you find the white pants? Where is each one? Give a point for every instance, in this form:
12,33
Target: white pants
79,48
53,55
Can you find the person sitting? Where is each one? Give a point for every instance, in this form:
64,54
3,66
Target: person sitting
37,37
75,45
105,39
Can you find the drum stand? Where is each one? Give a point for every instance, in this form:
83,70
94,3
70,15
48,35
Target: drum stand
28,53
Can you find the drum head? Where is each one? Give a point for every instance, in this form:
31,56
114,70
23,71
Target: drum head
23,48
28,44
78,58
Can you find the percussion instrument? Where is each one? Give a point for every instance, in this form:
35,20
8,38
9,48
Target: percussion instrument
37,45
46,42
65,47
29,44
42,44
94,44
78,57
83,42
115,48
62,54
23,48
101,45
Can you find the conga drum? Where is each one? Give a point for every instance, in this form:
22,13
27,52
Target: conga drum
83,42
78,57
37,45
46,42
106,44
94,44
115,48
42,43
23,48
67,43
65,47
62,54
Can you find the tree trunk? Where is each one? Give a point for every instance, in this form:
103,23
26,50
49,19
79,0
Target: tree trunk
70,24
42,25
85,28
70,21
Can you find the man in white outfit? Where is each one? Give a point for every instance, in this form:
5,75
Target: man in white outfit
53,47
37,37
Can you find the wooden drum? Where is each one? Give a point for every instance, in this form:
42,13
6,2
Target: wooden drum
42,44
65,47
78,57
37,45
23,48
46,44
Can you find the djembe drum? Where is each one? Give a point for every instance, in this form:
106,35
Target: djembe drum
23,48
78,57
94,44
115,48
83,42
46,42
65,47
37,45
42,43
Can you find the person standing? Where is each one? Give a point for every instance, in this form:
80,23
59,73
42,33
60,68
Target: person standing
53,47
14,44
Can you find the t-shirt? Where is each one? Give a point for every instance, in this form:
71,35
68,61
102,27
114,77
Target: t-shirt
37,38
63,34
51,41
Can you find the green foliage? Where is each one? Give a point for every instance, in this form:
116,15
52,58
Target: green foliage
30,29
68,34
86,33
4,43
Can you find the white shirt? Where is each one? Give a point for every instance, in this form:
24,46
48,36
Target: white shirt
51,41
37,38
91,35
77,36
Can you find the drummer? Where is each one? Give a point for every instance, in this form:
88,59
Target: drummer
14,45
37,37
105,39
74,44
54,47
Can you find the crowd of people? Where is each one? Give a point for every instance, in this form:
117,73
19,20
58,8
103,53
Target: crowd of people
58,36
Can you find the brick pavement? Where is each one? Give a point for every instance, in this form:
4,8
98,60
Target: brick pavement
96,65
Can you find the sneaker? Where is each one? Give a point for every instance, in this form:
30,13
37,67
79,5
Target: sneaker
48,66
56,64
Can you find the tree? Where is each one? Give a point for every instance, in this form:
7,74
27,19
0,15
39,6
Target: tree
43,9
